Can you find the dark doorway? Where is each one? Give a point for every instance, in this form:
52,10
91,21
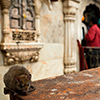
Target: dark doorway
92,55
91,11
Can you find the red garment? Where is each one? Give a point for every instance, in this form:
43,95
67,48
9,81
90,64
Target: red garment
93,36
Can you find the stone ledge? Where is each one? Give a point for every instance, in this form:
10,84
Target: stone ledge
20,46
84,85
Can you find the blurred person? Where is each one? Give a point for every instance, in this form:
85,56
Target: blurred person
92,38
84,31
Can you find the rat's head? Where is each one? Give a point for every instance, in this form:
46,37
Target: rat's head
23,83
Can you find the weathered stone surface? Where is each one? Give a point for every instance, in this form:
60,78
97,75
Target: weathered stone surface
84,85
45,69
3,70
52,25
51,51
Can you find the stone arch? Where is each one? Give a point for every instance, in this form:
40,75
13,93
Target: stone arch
85,3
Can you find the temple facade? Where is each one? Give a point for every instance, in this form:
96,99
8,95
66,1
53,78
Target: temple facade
41,35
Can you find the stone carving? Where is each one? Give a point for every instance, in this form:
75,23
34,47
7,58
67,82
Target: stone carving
21,52
15,58
26,36
35,57
21,40
69,11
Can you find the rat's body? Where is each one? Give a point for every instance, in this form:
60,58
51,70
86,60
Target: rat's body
18,79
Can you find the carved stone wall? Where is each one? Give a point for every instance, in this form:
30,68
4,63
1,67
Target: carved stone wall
51,30
20,37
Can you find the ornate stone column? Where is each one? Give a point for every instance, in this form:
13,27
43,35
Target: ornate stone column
5,4
69,10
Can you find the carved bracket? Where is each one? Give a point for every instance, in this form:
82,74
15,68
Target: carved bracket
20,53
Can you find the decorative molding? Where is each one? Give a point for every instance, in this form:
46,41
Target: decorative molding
20,52
20,46
24,36
71,3
69,10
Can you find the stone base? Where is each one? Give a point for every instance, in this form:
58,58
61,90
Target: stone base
70,69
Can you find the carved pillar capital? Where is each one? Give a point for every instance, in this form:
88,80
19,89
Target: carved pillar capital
69,9
70,6
69,14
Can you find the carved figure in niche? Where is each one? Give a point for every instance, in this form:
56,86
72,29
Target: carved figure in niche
18,81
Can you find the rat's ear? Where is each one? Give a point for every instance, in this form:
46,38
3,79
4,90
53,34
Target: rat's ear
29,77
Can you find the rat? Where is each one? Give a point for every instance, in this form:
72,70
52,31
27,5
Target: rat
18,80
